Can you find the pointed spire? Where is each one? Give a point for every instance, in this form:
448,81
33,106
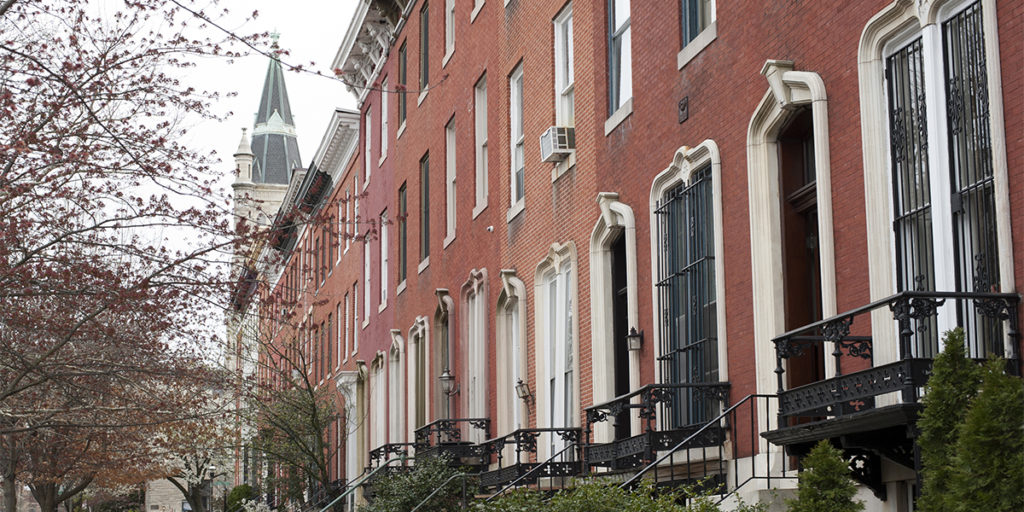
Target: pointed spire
273,137
243,145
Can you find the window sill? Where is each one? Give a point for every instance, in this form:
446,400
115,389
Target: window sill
515,210
563,167
423,265
401,130
448,241
618,117
478,209
382,158
400,288
366,322
476,10
422,96
447,56
697,45
382,307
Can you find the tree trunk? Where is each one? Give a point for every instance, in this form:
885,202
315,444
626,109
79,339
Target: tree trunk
10,493
46,496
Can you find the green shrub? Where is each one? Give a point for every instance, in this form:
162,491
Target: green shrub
824,484
952,386
237,495
516,500
988,465
403,491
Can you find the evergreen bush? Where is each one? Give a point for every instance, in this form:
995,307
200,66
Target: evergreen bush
403,490
238,494
952,386
988,464
825,485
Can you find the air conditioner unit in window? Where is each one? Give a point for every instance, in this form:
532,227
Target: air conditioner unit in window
556,143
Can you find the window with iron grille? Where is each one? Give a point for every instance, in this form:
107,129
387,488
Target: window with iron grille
687,295
942,174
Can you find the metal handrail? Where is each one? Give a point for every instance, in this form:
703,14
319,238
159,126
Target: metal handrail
359,481
692,436
668,385
442,486
530,472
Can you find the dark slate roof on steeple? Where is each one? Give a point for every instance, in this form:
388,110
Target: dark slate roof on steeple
275,95
273,137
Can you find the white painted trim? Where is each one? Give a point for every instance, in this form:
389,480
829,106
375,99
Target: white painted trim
420,330
400,288
896,19
616,219
474,350
787,92
684,163
560,168
401,130
424,263
396,389
515,209
697,45
618,117
448,240
513,294
421,97
476,11
557,256
447,56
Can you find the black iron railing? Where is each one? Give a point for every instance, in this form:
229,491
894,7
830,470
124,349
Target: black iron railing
651,402
385,452
991,329
524,456
448,437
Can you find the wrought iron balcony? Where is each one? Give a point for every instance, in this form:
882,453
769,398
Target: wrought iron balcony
521,468
989,321
683,409
385,452
445,437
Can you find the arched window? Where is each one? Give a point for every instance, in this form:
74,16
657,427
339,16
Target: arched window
473,348
511,353
396,389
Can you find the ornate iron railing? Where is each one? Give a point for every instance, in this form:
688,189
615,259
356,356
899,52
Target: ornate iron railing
651,401
385,452
526,441
991,328
445,437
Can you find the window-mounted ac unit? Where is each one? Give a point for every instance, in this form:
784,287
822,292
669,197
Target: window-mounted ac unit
556,143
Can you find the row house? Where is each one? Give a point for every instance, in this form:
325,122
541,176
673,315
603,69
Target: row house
664,240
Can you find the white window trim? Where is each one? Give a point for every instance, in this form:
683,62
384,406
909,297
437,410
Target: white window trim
558,256
396,389
349,220
475,351
787,90
517,73
401,130
616,219
618,117
368,145
355,318
480,147
348,329
418,333
685,162
449,31
422,96
476,10
342,355
880,30
450,201
512,295
383,122
367,284
699,43
561,83
515,210
384,261
424,263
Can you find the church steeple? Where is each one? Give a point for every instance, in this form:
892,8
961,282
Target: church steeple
273,135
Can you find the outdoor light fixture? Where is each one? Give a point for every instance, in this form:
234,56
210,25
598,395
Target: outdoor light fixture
448,384
523,391
635,339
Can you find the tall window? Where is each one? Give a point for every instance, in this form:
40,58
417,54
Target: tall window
696,16
419,348
476,356
449,179
620,65
424,46
348,329
403,76
480,132
403,223
330,341
564,75
515,98
942,173
378,404
355,317
367,142
449,26
396,396
356,219
686,292
342,334
558,348
425,207
349,220
367,290
384,119
383,258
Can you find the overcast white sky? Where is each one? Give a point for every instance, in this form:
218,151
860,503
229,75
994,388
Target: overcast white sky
312,31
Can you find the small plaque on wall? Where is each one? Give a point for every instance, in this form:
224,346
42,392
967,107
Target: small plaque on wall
684,109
